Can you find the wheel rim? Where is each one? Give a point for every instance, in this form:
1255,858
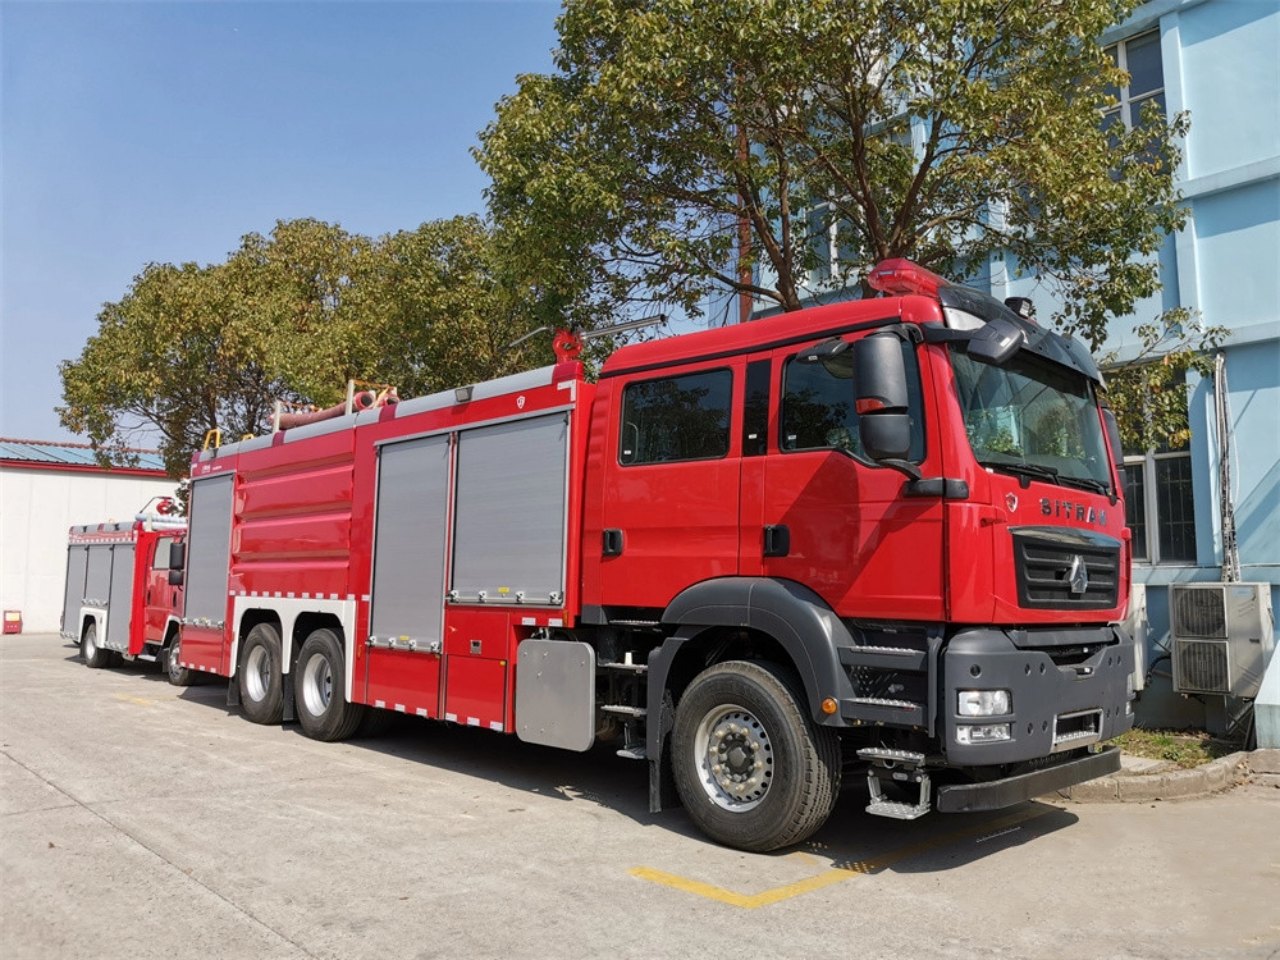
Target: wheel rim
257,674
317,685
175,665
734,758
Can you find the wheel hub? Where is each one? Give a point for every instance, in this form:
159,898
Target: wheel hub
735,758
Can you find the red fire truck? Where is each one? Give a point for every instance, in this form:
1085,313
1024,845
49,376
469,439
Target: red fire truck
118,599
883,536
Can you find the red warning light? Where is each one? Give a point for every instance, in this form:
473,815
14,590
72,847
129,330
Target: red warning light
900,276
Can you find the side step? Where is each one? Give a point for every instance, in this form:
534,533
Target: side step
898,766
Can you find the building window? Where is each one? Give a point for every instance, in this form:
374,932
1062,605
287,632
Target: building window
1160,506
676,418
1139,57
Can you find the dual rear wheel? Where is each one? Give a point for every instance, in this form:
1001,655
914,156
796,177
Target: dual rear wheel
322,708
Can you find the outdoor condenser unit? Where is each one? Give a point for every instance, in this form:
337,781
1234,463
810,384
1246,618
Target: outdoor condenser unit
1222,637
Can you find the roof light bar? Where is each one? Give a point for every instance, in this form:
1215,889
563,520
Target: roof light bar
900,276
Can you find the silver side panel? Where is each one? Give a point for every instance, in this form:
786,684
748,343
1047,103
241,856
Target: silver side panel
209,549
409,541
510,514
73,590
97,584
119,607
556,694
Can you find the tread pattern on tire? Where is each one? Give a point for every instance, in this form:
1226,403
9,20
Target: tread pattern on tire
819,762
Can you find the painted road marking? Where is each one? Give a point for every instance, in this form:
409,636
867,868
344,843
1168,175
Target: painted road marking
140,701
838,874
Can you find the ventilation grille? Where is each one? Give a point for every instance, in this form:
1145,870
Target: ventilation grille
1202,666
1200,613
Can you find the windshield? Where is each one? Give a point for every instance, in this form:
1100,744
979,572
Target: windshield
1035,418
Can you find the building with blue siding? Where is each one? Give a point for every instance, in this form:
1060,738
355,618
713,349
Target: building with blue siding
1219,60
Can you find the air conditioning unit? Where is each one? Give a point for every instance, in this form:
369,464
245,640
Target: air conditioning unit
1222,637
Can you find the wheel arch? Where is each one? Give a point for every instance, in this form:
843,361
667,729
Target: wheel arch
727,618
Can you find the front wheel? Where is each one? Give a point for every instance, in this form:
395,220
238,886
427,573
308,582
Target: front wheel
174,671
753,770
323,711
94,656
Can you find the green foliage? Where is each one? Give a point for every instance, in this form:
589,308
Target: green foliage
291,316
1149,392
939,130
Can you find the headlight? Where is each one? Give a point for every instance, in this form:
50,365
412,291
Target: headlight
967,734
982,703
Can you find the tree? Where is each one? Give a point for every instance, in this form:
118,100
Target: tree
290,316
939,131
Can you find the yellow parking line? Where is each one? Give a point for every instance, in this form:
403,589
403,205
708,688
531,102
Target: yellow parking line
837,874
140,701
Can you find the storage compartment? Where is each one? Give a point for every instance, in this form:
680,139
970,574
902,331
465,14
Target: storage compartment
405,682
476,693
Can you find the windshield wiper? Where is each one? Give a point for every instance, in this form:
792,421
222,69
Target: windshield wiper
1085,483
1023,469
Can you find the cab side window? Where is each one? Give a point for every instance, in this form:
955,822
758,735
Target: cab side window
161,561
676,418
817,406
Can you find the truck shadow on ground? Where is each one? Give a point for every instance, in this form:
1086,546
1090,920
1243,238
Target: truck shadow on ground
850,841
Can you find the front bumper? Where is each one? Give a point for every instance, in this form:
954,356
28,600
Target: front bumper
1056,706
996,794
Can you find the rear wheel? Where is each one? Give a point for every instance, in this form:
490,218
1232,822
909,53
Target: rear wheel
753,769
94,656
261,678
177,674
323,710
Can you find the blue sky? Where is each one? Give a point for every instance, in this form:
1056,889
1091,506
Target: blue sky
151,132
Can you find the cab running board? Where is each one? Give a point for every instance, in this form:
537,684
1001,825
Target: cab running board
897,766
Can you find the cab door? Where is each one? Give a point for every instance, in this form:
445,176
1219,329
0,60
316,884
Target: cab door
158,596
831,519
671,483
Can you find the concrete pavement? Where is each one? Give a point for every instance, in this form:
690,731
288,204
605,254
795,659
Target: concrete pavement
140,820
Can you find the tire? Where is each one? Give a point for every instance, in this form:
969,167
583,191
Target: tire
322,708
752,768
260,675
174,671
94,656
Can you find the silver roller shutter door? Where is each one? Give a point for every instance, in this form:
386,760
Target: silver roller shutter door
73,590
97,581
510,519
120,609
209,549
409,542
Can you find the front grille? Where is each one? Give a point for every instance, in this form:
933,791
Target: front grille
1053,563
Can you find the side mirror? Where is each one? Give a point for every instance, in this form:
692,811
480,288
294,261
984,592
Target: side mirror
996,342
880,385
177,560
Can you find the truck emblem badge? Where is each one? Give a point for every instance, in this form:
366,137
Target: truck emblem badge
1011,501
1078,575
520,402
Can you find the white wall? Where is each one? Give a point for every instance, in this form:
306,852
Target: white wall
36,509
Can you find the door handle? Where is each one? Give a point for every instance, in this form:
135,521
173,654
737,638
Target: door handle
777,540
613,543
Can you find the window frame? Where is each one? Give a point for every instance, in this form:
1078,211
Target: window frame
729,423
1124,106
922,419
1151,507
